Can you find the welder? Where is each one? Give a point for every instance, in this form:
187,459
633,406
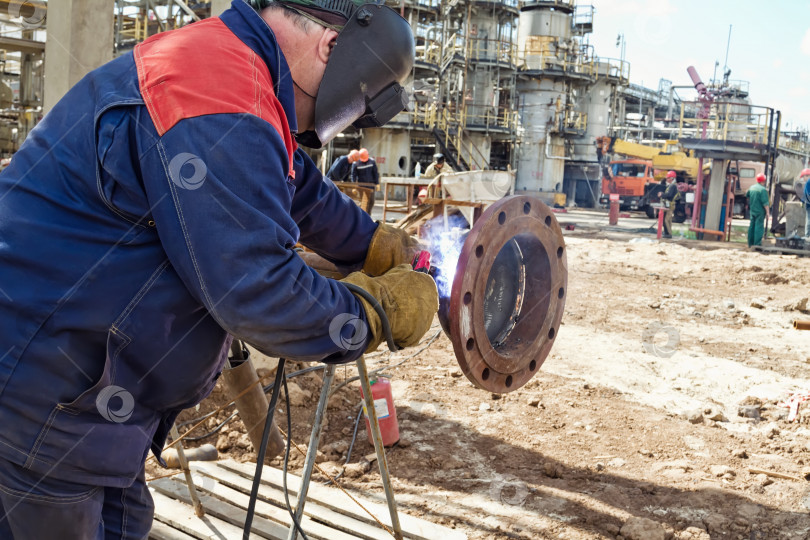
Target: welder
153,213
758,204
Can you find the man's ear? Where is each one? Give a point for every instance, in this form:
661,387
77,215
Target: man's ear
326,44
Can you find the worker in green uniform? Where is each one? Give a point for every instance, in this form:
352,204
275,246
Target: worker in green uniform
758,204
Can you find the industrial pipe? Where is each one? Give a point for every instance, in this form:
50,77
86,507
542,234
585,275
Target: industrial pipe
252,405
801,325
699,86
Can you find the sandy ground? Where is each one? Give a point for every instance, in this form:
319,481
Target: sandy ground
632,429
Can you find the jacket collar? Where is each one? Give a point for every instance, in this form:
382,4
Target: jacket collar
251,29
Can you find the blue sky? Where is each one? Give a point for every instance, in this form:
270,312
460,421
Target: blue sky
770,45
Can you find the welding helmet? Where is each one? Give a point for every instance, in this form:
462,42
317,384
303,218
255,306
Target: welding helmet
362,83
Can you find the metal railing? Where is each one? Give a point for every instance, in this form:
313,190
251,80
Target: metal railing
485,116
430,52
452,124
613,68
548,54
426,4
574,121
554,3
479,50
728,121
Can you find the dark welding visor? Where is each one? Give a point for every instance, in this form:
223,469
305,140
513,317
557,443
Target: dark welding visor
373,55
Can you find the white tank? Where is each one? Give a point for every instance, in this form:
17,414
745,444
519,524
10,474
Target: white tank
786,169
542,37
596,105
540,158
737,112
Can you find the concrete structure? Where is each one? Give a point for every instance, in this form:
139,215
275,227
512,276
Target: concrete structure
77,33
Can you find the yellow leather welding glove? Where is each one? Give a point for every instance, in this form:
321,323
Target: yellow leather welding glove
409,299
389,247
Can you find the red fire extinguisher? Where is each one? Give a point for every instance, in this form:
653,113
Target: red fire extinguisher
386,412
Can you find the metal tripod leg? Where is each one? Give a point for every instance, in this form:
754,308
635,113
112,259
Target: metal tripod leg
192,490
312,451
376,435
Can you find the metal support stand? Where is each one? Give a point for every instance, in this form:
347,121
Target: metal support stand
314,440
312,450
192,490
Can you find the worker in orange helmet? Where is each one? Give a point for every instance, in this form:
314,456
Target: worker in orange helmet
669,198
364,171
758,204
805,178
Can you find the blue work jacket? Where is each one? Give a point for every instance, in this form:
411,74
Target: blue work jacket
152,213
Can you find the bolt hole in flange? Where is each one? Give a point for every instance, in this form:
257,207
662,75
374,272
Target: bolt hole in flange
504,289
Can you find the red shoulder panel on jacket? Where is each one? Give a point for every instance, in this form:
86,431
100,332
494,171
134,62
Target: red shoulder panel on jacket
205,69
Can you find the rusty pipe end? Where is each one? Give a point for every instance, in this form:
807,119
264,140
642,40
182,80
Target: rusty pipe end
801,325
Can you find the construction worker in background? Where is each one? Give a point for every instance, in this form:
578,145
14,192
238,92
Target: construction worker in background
670,200
805,177
152,213
437,167
364,171
758,204
341,169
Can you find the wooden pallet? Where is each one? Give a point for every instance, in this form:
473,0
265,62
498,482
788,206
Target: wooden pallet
224,489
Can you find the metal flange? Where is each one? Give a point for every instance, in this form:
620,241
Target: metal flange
508,294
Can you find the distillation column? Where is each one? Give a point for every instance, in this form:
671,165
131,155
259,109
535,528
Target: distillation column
544,33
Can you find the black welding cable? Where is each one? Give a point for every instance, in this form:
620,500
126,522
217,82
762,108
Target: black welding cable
257,479
389,338
266,389
386,326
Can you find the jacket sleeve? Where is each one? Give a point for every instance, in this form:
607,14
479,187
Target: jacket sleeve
220,197
331,224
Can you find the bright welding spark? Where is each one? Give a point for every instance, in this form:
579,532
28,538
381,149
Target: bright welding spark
445,250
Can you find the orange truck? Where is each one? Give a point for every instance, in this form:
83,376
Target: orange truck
634,180
636,171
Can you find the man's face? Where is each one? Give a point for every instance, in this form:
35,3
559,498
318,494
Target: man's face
307,51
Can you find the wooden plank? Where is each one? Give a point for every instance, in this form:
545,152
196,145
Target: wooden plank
338,501
270,521
181,516
176,489
161,531
340,526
